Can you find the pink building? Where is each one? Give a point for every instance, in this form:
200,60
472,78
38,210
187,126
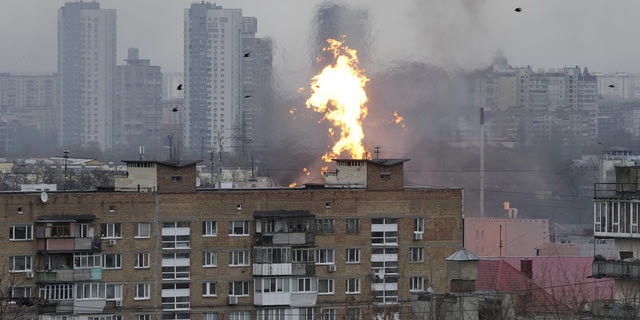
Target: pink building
505,237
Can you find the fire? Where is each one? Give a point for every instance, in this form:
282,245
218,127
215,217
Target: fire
292,184
324,169
292,112
338,92
398,119
306,171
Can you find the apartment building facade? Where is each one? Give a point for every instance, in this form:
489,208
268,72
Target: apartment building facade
344,251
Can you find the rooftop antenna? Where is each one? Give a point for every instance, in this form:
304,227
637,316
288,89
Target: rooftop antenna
141,152
66,161
377,151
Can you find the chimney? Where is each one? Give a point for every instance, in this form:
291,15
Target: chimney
132,54
526,267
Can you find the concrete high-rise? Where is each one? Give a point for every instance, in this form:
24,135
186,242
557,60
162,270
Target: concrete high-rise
86,66
137,108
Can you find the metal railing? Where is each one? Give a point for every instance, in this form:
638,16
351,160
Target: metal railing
616,190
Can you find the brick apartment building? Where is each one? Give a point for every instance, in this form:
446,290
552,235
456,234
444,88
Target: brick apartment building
159,249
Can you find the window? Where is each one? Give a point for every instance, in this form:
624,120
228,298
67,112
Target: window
176,178
87,260
209,259
176,316
90,291
57,291
303,285
142,230
239,315
238,258
82,230
353,256
143,317
113,292
238,228
328,314
353,314
112,208
209,289
353,285
59,230
271,285
175,296
141,291
415,254
21,232
384,231
176,266
418,225
303,255
324,256
239,288
20,264
325,286
112,261
176,235
271,255
210,316
20,292
353,226
325,226
417,284
209,228
111,230
101,318
142,261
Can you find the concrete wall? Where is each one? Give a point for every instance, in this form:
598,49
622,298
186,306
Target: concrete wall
491,237
166,185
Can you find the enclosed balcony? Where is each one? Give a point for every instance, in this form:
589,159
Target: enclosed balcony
70,275
285,227
616,269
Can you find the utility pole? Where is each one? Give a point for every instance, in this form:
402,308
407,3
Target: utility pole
481,162
377,151
219,160
66,160
212,151
141,152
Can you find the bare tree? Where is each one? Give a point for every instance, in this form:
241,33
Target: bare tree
16,302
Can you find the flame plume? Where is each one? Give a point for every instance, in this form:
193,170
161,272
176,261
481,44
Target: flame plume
338,92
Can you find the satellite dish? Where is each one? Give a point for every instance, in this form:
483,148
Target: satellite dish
379,274
44,197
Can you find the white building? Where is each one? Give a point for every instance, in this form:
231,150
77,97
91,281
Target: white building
86,65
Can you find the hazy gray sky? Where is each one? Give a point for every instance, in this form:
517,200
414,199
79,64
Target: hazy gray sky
455,33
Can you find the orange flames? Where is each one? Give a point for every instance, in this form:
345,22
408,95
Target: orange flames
398,119
292,184
338,92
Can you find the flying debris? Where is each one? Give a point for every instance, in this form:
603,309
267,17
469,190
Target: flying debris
179,87
246,55
247,97
518,9
175,109
612,86
317,86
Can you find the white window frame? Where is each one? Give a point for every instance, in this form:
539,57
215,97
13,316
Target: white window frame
353,256
239,315
242,285
141,291
117,261
416,254
87,260
245,228
111,230
117,292
143,317
352,282
139,231
90,291
353,226
25,292
331,286
209,259
207,289
210,316
28,231
418,225
325,256
142,260
416,284
328,314
210,228
326,226
239,258
27,261
304,285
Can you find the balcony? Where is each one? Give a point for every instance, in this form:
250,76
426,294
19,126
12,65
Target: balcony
272,269
304,269
68,244
285,238
70,275
271,298
616,191
304,299
616,269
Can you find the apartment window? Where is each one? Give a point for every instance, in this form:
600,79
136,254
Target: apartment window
142,261
209,228
90,291
87,260
176,178
176,266
384,231
56,292
141,291
114,317
21,232
142,230
353,314
112,208
143,317
325,256
82,230
325,226
111,230
328,314
238,258
209,289
20,264
175,296
59,230
209,259
417,284
326,286
271,255
418,225
271,285
353,226
112,261
239,288
20,292
210,316
416,254
239,315
303,255
238,228
353,256
176,235
303,285
353,285
113,292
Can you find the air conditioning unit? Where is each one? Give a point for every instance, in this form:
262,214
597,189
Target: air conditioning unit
112,242
233,300
28,275
331,268
417,235
118,303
